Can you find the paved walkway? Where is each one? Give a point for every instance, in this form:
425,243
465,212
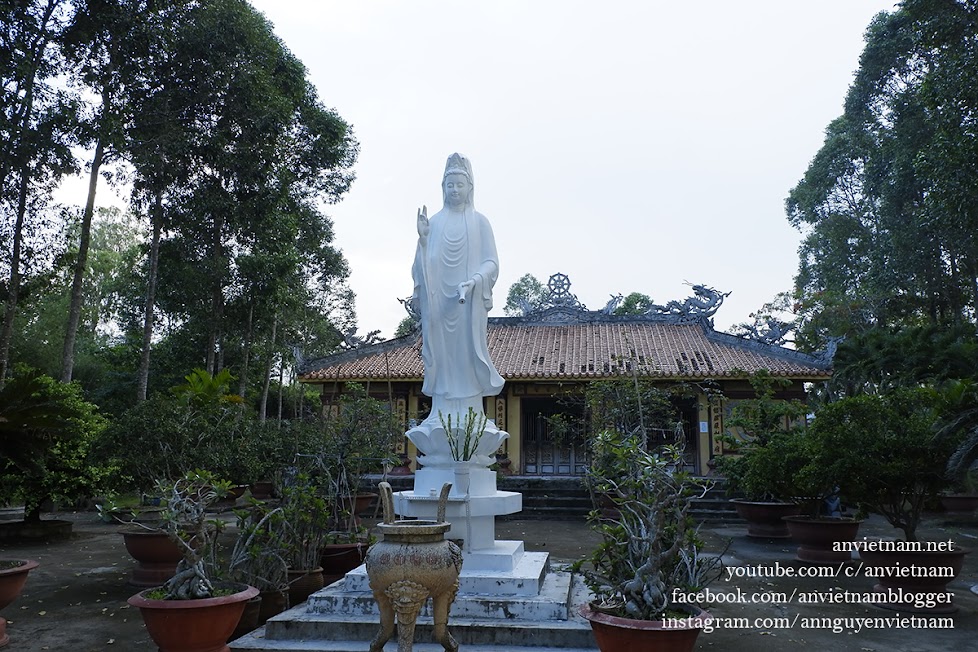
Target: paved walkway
76,599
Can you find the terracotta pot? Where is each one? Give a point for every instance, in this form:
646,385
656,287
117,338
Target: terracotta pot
272,604
249,618
156,556
303,583
12,582
262,490
615,634
338,559
764,518
959,503
817,537
936,569
193,625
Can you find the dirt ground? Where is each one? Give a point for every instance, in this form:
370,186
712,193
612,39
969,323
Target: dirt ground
76,599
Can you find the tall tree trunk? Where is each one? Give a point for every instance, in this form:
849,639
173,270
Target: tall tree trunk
20,123
281,387
14,289
142,382
263,401
217,294
246,353
81,264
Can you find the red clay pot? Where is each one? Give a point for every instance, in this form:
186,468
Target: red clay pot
156,556
933,577
193,625
764,518
12,582
816,537
249,619
338,559
959,503
303,583
616,634
272,604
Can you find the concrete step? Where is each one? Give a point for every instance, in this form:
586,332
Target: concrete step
364,646
532,630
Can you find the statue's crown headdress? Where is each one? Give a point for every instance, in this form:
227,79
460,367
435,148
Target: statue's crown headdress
457,165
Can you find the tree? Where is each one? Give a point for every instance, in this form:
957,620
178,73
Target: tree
526,293
37,128
105,46
242,153
635,303
889,205
47,431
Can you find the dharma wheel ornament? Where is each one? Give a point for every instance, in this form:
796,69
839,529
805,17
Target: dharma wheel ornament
412,563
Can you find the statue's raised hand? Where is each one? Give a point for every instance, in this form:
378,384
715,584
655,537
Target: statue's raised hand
423,227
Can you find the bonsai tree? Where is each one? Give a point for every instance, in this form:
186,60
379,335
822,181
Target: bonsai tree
47,431
650,547
768,450
186,522
358,437
885,453
259,557
306,515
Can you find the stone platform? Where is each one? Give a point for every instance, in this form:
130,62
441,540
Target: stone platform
343,617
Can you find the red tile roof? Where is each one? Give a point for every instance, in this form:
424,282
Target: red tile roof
591,349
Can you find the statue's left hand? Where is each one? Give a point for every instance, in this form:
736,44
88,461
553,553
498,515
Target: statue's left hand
464,290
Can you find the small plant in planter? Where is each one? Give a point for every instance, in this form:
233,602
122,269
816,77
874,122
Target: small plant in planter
649,549
190,611
891,463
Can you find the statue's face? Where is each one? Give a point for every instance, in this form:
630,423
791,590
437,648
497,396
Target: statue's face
457,190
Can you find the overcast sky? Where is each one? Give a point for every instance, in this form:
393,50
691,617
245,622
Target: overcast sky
634,146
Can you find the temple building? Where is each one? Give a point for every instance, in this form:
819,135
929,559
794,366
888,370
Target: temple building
555,348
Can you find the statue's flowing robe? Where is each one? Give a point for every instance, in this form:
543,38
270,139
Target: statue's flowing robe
460,248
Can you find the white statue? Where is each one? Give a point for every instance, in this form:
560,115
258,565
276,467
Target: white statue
454,271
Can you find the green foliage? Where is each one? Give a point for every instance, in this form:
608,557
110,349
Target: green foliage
764,432
47,432
883,358
889,206
260,551
203,389
307,514
164,438
527,291
635,303
356,438
649,546
958,400
463,439
883,452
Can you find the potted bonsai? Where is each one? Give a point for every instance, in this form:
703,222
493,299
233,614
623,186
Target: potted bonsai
306,515
190,612
891,463
357,438
259,556
649,550
818,529
762,465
